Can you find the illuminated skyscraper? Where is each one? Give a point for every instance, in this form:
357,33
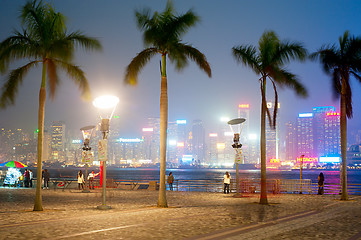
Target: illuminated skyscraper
198,141
314,135
304,135
247,148
151,136
58,141
326,125
291,141
272,135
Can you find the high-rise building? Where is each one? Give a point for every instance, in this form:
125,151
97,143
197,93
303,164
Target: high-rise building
291,141
314,135
304,135
212,149
243,112
326,129
151,136
272,135
58,141
198,141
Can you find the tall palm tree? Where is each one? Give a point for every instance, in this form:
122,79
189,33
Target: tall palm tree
44,40
341,63
162,35
269,63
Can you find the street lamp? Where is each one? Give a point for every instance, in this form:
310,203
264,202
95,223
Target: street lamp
235,124
87,156
107,105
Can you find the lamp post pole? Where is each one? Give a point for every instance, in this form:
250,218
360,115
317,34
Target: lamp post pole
104,127
237,147
301,167
86,154
105,103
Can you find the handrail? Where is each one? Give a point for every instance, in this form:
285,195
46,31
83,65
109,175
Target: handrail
246,185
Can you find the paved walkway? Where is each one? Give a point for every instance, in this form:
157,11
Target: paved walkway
191,215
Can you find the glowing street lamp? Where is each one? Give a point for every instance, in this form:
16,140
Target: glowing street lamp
106,105
87,156
235,124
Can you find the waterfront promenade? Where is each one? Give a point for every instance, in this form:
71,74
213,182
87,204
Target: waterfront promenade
71,214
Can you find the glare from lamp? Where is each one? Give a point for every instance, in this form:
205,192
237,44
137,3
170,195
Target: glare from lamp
105,102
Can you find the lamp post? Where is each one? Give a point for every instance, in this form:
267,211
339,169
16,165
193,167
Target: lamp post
86,154
107,105
237,147
301,167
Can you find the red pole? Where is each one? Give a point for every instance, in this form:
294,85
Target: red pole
101,173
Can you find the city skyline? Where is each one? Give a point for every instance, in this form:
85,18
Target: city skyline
191,94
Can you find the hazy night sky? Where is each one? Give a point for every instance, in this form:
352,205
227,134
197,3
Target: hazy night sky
192,95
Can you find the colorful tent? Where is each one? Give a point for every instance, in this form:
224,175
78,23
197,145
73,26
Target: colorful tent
14,164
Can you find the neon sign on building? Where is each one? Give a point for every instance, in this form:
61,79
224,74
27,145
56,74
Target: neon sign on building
333,114
274,160
243,106
181,121
308,160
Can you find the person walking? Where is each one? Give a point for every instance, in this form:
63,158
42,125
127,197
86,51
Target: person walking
46,176
80,180
321,184
226,182
31,178
170,181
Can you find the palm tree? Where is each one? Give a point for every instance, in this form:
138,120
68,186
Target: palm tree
341,63
162,33
269,63
43,40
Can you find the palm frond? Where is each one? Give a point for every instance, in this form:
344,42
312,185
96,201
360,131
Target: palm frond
181,24
268,46
137,64
196,56
83,41
17,47
247,55
143,19
329,58
284,78
289,51
53,78
336,83
15,79
77,76
357,76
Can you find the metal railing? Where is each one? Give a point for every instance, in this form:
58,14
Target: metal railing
275,186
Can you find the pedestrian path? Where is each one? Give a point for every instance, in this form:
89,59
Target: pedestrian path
191,215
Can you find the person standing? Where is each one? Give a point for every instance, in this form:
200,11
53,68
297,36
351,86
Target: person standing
91,180
80,178
46,176
321,184
170,181
26,178
226,182
31,178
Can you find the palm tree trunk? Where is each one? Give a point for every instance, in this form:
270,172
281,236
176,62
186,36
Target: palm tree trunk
343,129
162,200
263,197
38,206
